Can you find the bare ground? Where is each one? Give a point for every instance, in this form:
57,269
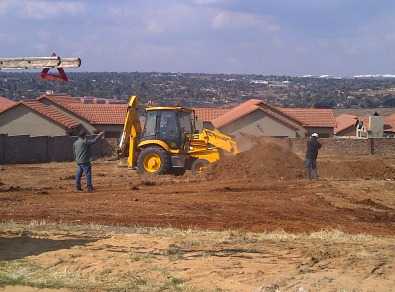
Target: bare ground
142,259
194,233
36,192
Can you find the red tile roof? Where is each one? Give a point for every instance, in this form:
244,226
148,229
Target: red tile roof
95,114
208,114
312,117
238,112
48,112
51,113
5,103
344,121
293,117
100,114
389,123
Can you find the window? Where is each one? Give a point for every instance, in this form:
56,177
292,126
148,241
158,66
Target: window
186,123
150,124
168,129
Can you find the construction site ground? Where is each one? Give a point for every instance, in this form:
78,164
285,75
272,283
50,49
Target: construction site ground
205,233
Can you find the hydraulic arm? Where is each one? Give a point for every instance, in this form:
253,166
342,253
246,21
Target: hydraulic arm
217,139
131,131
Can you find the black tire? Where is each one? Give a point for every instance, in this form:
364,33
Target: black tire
178,171
161,154
198,165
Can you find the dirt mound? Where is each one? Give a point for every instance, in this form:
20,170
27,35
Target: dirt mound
362,169
266,160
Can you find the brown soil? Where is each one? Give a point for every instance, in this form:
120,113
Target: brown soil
269,161
255,203
264,161
358,199
362,169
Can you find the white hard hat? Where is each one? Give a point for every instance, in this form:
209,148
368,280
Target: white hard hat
314,135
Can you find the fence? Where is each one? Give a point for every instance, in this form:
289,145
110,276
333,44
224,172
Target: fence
26,149
350,147
331,146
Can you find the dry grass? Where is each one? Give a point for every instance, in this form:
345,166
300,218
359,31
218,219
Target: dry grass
229,236
27,273
153,265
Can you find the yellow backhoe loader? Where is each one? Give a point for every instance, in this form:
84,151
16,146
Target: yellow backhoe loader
169,141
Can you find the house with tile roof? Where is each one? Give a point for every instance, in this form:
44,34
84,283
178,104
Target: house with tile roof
345,125
94,117
314,120
389,125
36,119
5,103
255,118
207,114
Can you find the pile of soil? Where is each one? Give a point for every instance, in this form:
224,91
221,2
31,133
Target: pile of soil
356,169
272,161
266,160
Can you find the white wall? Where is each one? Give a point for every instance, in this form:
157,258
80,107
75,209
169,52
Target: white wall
21,120
258,124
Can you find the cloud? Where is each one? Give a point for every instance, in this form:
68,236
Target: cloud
245,36
175,18
42,9
5,6
209,2
240,20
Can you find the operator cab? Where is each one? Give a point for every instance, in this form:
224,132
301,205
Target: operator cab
169,124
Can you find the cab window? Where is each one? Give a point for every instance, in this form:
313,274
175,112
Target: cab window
168,127
186,123
150,124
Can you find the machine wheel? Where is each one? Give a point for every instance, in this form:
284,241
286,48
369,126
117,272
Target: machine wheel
153,160
198,166
178,171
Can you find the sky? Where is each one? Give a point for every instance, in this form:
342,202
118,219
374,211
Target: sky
279,37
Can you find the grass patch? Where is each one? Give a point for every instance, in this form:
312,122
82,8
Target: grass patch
187,237
141,256
24,273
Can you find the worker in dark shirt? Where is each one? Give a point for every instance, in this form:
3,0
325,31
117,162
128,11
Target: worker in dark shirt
82,156
311,156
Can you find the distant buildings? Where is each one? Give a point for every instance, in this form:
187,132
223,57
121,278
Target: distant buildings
255,118
94,117
36,119
59,115
367,126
